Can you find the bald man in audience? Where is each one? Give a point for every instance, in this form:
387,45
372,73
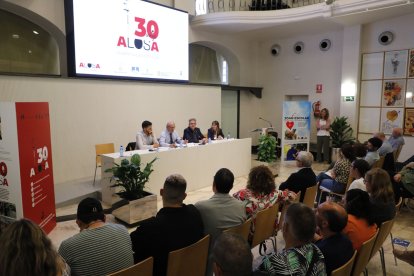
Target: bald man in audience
232,256
396,139
331,219
386,147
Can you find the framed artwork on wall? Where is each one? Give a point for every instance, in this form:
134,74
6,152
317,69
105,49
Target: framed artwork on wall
391,118
409,121
372,65
411,64
393,93
371,93
395,65
369,119
409,94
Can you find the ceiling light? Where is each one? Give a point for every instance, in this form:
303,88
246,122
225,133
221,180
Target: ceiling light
15,36
35,32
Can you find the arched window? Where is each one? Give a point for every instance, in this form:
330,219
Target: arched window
26,48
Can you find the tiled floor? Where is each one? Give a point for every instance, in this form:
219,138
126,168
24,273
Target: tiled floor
403,227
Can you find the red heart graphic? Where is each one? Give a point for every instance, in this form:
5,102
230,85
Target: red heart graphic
290,124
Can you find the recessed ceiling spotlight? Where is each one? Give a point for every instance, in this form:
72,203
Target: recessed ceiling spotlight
35,32
15,36
30,51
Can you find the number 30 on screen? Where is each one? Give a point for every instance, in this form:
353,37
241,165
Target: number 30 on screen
152,28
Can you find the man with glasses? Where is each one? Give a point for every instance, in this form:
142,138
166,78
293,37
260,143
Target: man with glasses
192,134
169,137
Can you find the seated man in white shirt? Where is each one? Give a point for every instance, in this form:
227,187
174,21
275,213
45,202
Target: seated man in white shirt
146,138
169,136
372,155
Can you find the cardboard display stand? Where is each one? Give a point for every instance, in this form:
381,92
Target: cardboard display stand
26,171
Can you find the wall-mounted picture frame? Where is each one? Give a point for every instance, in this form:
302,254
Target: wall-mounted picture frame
371,93
369,119
409,121
395,64
411,63
409,93
391,118
393,93
372,65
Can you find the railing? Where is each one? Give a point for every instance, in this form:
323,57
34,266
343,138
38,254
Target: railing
212,6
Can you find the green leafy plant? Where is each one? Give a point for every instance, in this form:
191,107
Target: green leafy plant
267,148
130,177
341,132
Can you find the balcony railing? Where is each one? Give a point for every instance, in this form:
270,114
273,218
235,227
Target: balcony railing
212,6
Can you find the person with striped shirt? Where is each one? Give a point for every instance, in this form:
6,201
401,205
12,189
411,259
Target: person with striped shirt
100,248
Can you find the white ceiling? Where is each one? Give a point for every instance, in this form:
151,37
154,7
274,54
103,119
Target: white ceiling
260,25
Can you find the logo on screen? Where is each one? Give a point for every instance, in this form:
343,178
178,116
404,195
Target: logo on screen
89,65
145,36
3,174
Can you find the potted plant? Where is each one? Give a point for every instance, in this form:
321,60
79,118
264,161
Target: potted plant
267,148
137,204
341,133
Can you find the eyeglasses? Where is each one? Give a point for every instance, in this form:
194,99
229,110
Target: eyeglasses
365,181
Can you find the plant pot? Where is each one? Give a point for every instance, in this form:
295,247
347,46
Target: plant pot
137,210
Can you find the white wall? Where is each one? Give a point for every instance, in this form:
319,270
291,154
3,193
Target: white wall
88,112
403,39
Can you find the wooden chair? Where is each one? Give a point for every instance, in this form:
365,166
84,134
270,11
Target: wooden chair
346,269
325,190
310,194
397,152
241,230
362,257
190,260
131,146
265,224
143,268
379,163
383,232
102,149
397,208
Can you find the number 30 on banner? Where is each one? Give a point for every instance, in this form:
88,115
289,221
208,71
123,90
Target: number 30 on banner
152,28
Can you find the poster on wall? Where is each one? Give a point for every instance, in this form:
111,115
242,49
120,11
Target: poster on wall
409,95
395,65
411,64
409,121
295,128
391,118
393,93
27,186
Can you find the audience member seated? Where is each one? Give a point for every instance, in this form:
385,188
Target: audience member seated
400,165
360,226
222,210
192,134
405,180
215,132
146,138
175,226
336,179
27,250
300,256
372,146
303,178
405,256
100,248
360,150
381,194
386,147
169,137
232,256
396,139
260,193
358,170
331,219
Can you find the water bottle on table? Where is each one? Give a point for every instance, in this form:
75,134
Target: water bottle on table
228,135
121,151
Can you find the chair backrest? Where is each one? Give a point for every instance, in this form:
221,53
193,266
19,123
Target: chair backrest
190,260
379,163
383,232
131,146
346,269
362,257
397,152
265,224
143,268
310,194
241,230
398,205
102,149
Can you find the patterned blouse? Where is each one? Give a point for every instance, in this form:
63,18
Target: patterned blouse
341,170
257,202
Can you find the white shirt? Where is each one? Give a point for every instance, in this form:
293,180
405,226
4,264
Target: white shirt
358,184
322,132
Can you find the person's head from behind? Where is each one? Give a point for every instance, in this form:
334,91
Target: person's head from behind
26,250
380,135
374,144
147,127
223,181
324,114
359,168
357,203
192,123
347,152
170,127
379,185
261,180
232,256
396,132
173,192
299,224
331,217
89,211
360,151
215,125
304,159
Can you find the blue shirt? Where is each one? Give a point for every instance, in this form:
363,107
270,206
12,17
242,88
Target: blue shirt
165,139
